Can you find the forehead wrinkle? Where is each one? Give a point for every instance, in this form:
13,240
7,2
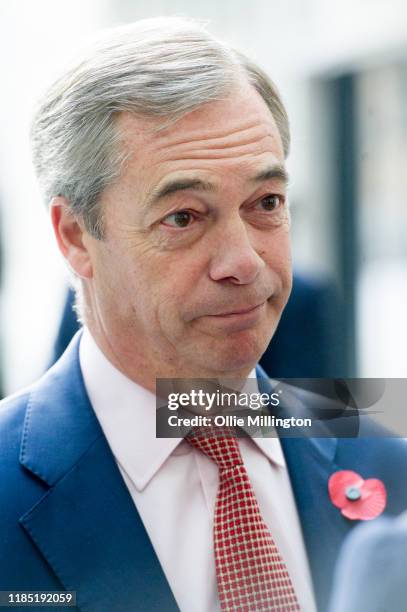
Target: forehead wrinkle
246,132
239,151
134,136
254,144
181,142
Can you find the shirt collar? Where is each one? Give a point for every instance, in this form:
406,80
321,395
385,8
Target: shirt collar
126,413
269,446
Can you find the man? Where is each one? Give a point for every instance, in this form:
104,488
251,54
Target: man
162,156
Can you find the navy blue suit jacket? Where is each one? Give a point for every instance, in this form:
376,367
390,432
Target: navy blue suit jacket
67,520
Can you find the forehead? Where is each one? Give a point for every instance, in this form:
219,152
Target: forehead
237,134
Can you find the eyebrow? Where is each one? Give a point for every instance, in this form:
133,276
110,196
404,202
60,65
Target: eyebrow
170,187
272,172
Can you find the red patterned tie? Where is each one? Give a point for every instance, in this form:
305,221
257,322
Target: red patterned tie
251,573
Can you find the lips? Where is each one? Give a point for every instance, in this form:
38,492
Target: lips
239,311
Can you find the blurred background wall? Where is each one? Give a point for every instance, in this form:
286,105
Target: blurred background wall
342,70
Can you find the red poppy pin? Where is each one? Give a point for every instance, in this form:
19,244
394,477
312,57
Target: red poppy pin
358,499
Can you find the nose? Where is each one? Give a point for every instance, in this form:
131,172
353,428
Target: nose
235,258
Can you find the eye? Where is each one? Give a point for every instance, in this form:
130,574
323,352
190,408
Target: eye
271,202
181,218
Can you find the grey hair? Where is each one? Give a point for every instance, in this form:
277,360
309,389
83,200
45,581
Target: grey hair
162,67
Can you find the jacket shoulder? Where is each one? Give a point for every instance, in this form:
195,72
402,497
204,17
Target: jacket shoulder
13,475
12,415
21,566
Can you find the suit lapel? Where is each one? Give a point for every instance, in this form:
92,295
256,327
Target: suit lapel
86,525
310,462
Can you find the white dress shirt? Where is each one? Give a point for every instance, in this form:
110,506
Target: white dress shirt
174,487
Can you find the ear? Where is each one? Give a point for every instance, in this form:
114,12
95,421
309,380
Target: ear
70,234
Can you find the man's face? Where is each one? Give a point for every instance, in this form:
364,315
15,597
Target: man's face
194,270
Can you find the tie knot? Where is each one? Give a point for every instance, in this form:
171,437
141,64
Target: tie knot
217,443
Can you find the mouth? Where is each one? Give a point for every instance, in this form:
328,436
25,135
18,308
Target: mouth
239,311
238,319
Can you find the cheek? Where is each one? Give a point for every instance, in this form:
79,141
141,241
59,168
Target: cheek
119,284
177,290
276,252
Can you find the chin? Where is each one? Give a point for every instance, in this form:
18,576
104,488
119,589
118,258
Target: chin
241,354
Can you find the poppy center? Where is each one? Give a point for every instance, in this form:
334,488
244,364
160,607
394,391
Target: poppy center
353,493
